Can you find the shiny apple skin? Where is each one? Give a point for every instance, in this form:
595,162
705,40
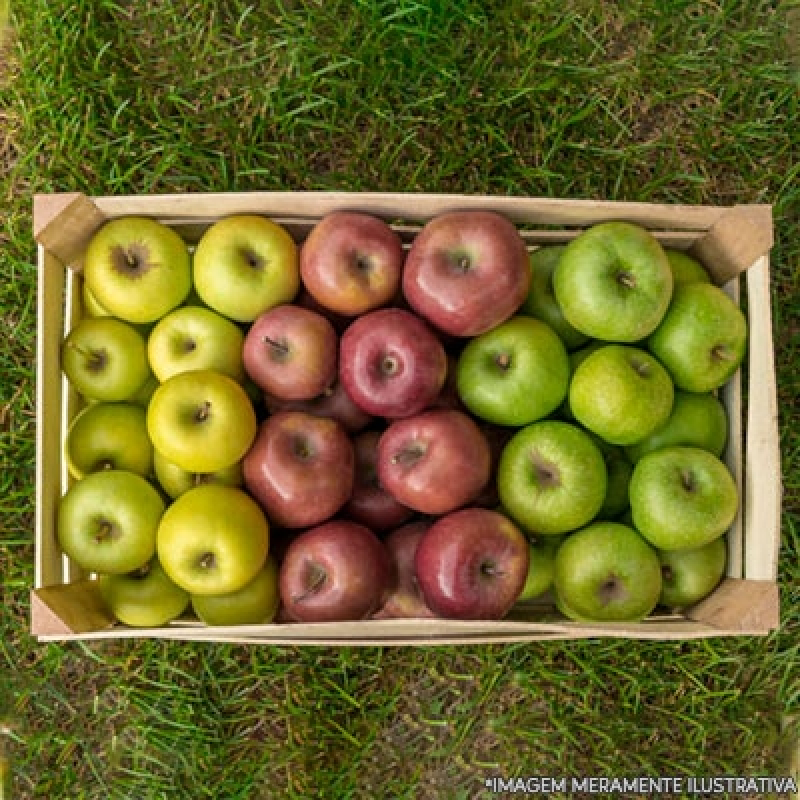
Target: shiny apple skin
333,572
300,468
472,564
391,363
467,271
434,462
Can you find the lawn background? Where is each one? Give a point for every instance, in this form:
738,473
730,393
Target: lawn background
657,100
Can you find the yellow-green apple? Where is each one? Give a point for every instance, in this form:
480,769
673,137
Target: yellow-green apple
203,421
682,497
541,566
613,282
621,393
515,373
175,480
702,339
244,265
90,305
336,571
607,572
467,271
688,576
213,540
107,521
105,359
391,363
137,269
300,468
472,564
685,268
435,461
141,397
351,262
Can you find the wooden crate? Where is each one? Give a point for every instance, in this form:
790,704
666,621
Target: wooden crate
733,242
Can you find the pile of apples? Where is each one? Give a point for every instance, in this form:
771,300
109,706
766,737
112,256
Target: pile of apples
349,428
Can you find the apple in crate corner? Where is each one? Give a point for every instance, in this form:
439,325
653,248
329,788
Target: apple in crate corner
688,576
685,268
466,272
175,480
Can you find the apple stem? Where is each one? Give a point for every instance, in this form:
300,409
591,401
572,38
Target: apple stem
503,360
203,412
207,561
687,479
281,349
626,279
410,455
96,360
106,529
721,353
317,578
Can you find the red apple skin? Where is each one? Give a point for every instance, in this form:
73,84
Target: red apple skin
336,571
472,564
351,262
405,601
300,468
370,504
467,271
291,352
391,363
434,462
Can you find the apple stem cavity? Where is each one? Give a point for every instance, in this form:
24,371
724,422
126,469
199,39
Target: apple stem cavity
721,353
410,455
279,350
610,590
545,472
131,261
626,279
316,578
96,360
208,561
105,532
253,260
389,365
503,361
204,412
687,481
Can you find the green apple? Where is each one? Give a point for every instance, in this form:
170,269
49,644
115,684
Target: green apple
143,396
690,575
515,373
607,572
203,421
685,269
144,598
193,337
254,604
137,269
541,566
541,300
682,497
175,481
90,304
697,420
613,282
621,393
109,436
213,540
245,265
702,339
107,521
551,477
105,359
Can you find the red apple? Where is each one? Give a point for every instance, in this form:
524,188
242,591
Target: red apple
434,462
467,271
291,352
336,571
472,564
370,504
391,363
351,262
300,468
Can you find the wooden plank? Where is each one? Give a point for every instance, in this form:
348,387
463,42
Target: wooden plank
63,223
65,609
747,606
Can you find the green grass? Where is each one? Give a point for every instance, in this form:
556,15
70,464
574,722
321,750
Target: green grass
653,100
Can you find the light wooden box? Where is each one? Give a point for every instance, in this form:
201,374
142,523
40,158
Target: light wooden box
731,241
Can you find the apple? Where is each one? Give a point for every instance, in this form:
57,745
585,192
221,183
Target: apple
613,282
351,262
541,566
391,363
435,461
607,572
467,271
696,420
175,480
107,521
244,265
109,436
685,269
291,352
90,305
137,269
369,503
514,374
256,603
551,477
143,598
300,468
621,393
105,359
333,572
192,338
702,339
682,497
213,540
618,469
687,576
541,300
472,564
203,421
142,396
